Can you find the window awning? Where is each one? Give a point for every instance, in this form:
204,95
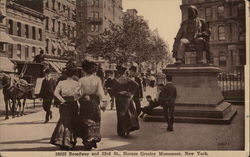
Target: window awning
65,48
5,38
6,65
54,45
59,46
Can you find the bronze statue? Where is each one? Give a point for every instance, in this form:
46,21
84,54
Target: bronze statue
193,32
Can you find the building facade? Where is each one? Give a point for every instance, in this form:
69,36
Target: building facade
25,27
96,15
228,31
93,17
60,26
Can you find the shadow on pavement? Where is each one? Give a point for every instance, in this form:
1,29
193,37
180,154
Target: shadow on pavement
27,123
42,140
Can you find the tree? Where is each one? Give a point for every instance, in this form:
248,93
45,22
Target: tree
121,43
130,42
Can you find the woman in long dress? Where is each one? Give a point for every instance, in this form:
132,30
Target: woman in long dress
90,95
64,134
123,90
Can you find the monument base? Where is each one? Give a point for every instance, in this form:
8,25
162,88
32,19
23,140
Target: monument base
199,98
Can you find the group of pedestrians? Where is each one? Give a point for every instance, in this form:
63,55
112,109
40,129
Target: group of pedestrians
81,101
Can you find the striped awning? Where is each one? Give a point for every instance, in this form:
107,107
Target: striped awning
54,45
56,69
65,48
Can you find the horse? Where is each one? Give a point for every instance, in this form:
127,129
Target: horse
14,94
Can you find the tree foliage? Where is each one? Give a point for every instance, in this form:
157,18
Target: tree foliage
130,42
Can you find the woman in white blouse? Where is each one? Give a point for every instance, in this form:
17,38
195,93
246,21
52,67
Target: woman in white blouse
64,134
90,95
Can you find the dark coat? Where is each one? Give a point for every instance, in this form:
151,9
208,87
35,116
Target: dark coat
47,88
139,92
168,95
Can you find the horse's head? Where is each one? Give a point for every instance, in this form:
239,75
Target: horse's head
4,80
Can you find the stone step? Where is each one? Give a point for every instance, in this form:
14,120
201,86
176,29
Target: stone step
225,120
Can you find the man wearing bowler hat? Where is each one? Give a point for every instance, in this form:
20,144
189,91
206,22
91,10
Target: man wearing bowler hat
139,92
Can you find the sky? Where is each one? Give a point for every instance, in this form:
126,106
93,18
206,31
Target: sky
165,15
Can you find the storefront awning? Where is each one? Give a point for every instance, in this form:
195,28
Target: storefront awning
53,66
62,65
6,65
5,38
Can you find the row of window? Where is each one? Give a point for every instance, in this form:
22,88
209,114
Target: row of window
55,47
92,3
94,28
223,58
62,8
62,28
222,33
24,30
18,51
221,11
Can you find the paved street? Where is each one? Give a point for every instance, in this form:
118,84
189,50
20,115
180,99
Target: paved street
29,133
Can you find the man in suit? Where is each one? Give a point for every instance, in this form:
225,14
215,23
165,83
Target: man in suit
139,92
194,31
47,94
166,99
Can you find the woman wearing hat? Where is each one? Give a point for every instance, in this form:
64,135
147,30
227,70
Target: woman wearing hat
123,89
90,95
64,134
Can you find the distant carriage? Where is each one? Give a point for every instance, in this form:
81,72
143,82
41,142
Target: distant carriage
30,72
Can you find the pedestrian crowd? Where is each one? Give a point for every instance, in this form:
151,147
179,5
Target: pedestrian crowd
81,100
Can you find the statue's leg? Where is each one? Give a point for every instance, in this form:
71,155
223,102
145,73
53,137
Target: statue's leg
200,47
181,49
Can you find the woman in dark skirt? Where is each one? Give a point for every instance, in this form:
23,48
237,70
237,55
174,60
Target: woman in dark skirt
123,89
90,95
64,135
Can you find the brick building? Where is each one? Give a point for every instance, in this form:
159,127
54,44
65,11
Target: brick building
227,23
60,26
93,17
25,26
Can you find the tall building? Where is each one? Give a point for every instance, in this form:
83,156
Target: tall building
4,37
93,17
25,27
227,23
60,31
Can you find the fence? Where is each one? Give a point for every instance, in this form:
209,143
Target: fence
232,85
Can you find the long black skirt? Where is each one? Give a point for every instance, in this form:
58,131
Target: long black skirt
89,121
127,119
64,134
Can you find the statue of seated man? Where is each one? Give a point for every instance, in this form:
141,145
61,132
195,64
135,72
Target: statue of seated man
193,32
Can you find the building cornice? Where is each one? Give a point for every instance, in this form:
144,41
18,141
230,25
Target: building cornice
24,9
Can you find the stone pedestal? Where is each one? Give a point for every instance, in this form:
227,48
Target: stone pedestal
199,97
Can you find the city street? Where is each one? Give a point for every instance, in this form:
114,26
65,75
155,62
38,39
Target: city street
29,133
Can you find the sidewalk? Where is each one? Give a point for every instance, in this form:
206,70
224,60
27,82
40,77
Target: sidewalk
29,133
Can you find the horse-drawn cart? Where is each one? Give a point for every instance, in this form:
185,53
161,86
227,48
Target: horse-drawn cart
30,72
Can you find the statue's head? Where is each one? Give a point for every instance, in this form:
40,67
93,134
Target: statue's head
192,12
